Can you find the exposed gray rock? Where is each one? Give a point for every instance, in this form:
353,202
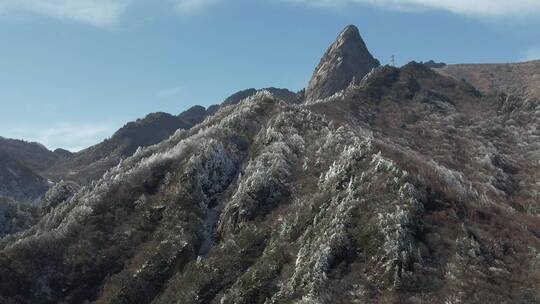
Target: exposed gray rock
346,60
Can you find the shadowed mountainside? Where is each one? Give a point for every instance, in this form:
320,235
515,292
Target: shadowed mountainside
91,163
19,182
25,168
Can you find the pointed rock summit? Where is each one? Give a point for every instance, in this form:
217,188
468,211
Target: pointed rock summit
347,58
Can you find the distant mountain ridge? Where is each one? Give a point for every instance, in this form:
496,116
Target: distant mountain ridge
91,163
23,167
40,164
34,155
520,79
19,182
36,164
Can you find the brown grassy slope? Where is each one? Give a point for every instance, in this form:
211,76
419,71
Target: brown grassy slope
522,79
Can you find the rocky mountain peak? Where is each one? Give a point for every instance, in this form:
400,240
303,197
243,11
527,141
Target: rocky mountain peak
345,60
349,33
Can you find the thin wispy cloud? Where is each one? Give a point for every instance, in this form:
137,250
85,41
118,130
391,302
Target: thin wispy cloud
67,135
194,6
105,13
171,92
532,54
483,8
100,13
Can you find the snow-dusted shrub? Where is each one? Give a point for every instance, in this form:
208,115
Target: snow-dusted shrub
15,216
57,194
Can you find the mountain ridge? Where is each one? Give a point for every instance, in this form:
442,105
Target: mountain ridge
519,78
91,163
405,186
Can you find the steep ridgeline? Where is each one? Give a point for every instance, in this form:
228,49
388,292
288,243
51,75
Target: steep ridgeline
346,60
91,163
409,187
32,155
25,168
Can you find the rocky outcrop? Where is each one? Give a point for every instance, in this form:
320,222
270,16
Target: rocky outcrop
432,64
346,60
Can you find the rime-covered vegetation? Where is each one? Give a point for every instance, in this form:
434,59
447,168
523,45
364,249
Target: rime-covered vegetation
272,202
16,216
27,170
405,187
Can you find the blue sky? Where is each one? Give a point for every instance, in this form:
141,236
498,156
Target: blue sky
72,72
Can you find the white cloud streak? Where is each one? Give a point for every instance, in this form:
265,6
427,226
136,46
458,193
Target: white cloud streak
171,92
105,13
100,13
188,7
482,8
70,136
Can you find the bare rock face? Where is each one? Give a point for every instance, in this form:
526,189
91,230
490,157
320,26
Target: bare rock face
347,59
